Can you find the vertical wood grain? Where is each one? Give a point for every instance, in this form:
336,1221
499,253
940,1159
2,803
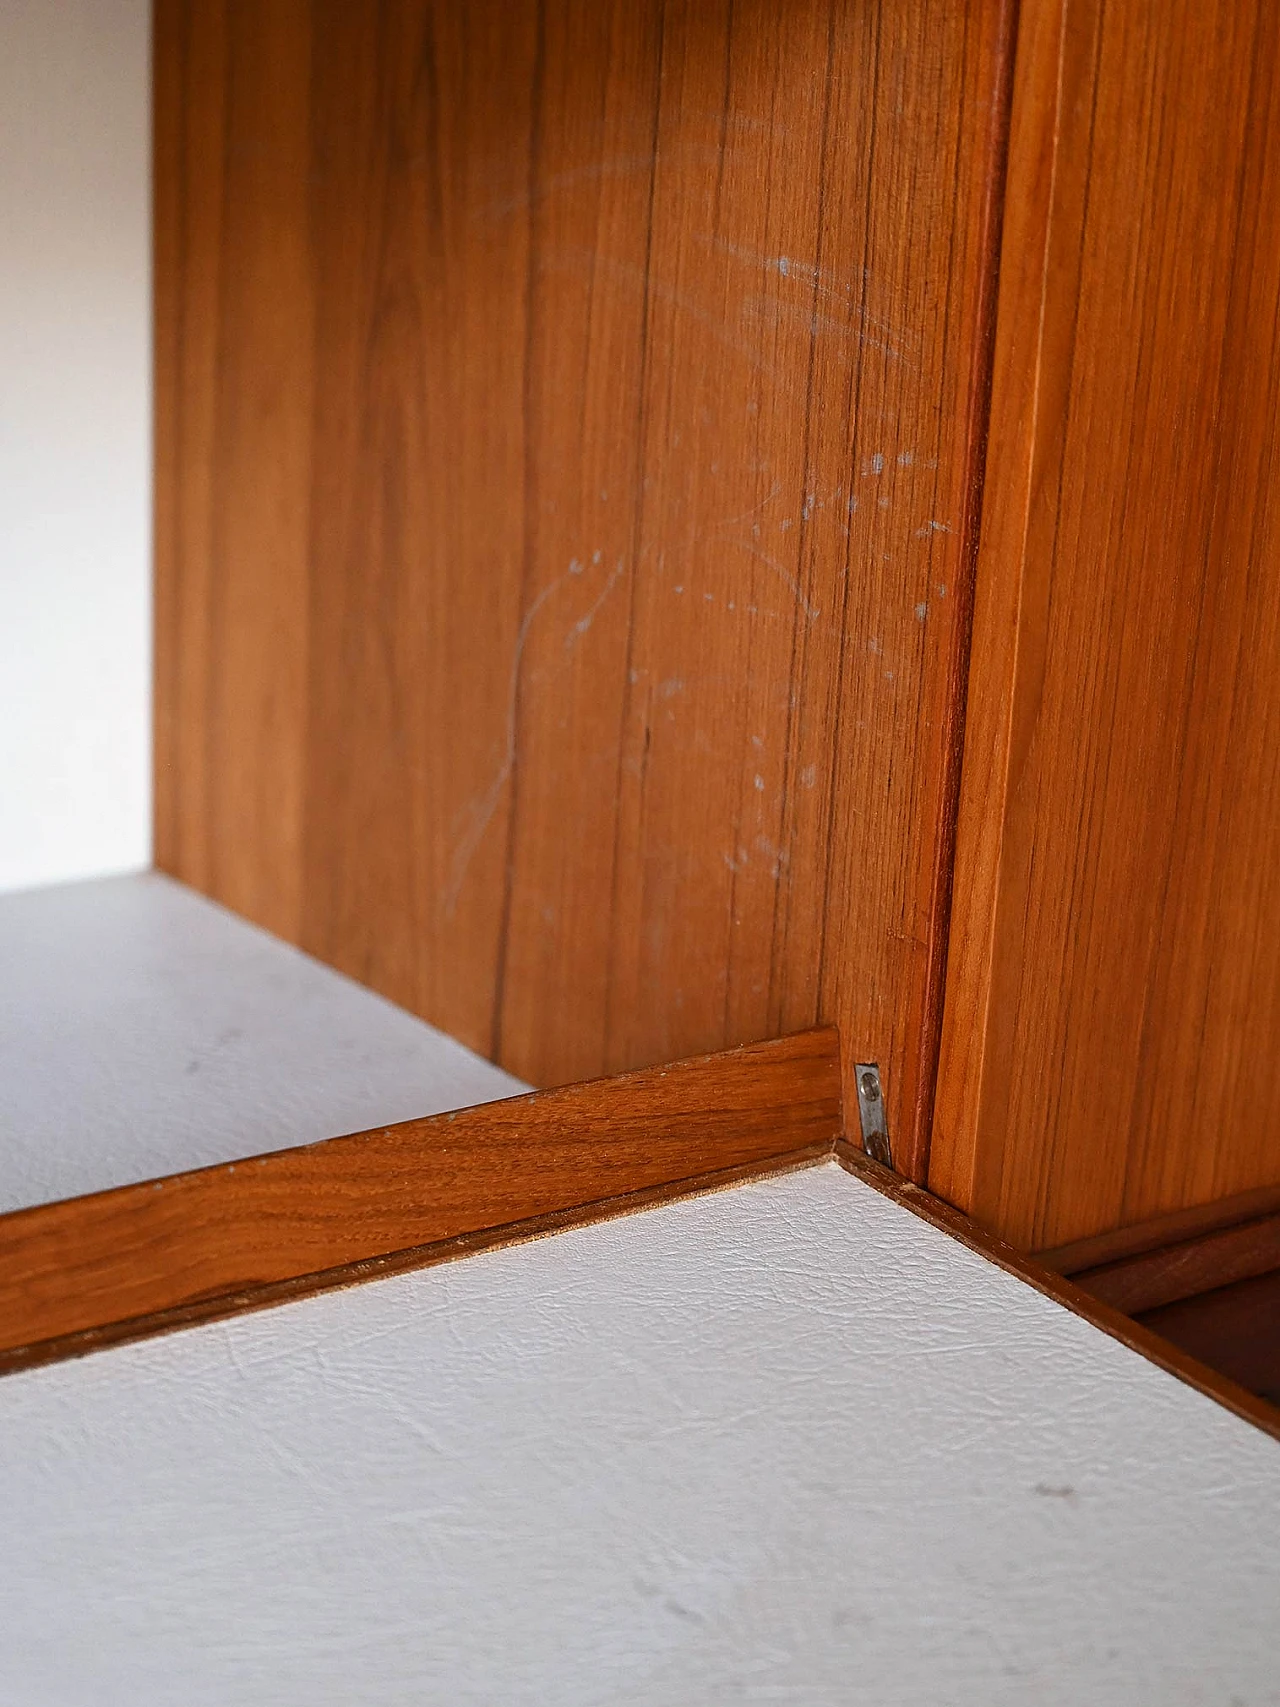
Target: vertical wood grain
1114,986
568,519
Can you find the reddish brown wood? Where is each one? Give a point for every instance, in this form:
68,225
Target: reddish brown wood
1234,1328
1162,1230
144,1258
1194,1265
569,422
1143,1337
1114,974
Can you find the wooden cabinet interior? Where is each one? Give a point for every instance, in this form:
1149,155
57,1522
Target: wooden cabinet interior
571,443
568,427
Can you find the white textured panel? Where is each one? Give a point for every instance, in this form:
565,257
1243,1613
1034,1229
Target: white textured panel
144,1030
785,1444
75,438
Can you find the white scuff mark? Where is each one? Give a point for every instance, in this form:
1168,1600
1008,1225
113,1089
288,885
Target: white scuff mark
778,858
942,591
483,809
877,464
922,611
757,740
738,862
584,622
668,689
748,515
644,283
883,502
852,505
873,645
809,776
826,286
781,570
758,782
906,458
772,312
932,527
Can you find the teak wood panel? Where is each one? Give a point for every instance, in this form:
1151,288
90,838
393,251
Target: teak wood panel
1160,1277
569,425
144,1258
1114,980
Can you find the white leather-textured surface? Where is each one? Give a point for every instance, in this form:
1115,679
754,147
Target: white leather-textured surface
783,1444
144,1030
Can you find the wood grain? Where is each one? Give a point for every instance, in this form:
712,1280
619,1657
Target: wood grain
146,1258
1114,973
1179,1271
1162,1230
569,446
1196,1365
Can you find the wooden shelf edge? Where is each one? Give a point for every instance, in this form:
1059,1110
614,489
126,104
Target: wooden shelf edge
1118,1326
151,1257
403,1262
1161,1231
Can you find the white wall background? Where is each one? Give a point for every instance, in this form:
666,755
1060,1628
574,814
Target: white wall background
75,439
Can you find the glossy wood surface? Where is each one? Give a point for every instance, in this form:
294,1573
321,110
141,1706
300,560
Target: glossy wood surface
161,1254
569,445
1114,976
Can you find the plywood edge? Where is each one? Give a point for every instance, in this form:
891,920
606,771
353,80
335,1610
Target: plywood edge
147,1258
1063,1291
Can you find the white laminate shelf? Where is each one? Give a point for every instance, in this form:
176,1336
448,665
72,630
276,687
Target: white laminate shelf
785,1443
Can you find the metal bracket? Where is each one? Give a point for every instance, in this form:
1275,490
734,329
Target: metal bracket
871,1113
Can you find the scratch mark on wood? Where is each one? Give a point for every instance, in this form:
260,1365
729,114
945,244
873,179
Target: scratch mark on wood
484,808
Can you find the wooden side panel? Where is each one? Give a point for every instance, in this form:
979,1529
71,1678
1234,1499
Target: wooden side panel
1114,984
143,1258
234,366
578,405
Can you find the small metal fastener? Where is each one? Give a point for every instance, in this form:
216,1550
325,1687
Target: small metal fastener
871,1113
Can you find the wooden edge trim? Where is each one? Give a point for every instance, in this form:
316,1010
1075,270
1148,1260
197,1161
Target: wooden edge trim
144,1258
403,1262
1111,1321
1161,1230
1186,1269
